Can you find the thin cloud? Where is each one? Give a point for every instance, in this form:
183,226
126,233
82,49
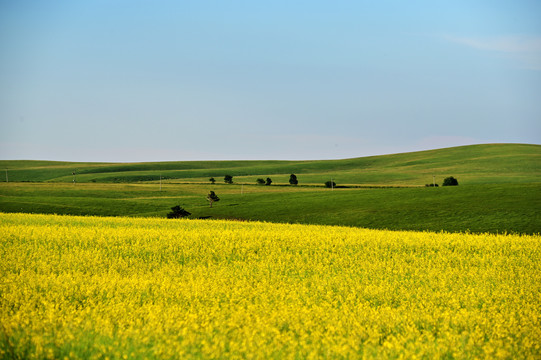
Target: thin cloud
525,49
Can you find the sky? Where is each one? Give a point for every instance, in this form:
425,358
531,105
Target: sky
128,81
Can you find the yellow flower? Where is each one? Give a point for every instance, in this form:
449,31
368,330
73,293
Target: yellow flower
122,288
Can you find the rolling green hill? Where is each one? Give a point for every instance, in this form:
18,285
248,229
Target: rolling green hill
474,164
499,189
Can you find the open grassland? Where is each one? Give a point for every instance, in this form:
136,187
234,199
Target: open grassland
129,288
475,164
494,208
499,191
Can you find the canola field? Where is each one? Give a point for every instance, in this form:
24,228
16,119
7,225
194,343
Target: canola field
126,288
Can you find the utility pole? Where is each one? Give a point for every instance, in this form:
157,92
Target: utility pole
7,180
73,177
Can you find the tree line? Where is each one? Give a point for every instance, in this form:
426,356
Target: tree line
228,179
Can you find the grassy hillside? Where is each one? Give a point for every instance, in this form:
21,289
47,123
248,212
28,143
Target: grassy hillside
499,191
477,208
475,164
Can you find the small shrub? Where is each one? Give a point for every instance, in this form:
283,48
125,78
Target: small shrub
268,182
260,181
330,184
228,179
177,212
212,180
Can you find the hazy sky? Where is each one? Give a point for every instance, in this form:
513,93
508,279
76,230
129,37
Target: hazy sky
119,80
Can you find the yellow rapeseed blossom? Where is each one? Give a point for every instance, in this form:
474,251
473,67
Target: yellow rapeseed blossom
125,288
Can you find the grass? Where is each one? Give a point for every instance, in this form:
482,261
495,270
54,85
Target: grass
477,208
475,164
499,191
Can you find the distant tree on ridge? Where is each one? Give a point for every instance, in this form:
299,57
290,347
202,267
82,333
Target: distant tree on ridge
293,179
450,181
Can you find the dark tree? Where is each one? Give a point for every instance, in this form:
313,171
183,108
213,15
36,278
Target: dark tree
228,179
268,182
293,179
450,181
177,213
212,180
212,198
260,181
330,184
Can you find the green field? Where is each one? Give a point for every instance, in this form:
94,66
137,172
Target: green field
499,191
475,164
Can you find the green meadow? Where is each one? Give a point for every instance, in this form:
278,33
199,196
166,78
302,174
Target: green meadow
499,189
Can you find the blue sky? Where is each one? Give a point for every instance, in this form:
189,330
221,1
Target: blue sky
200,80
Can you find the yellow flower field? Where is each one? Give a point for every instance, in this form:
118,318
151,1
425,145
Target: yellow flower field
125,288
